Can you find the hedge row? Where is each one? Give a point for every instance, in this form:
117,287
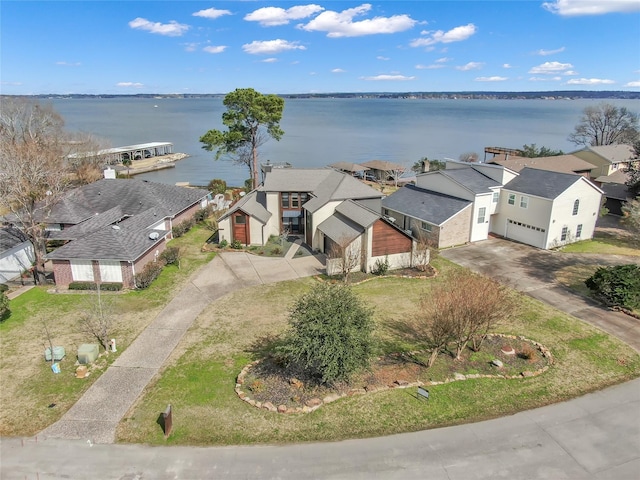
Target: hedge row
107,286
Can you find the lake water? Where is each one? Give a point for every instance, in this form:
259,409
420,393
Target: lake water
319,132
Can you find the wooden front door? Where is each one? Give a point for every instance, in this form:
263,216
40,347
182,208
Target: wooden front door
241,228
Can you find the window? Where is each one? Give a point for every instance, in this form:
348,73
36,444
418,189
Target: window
385,212
512,199
295,200
482,213
576,206
496,197
579,231
240,219
425,226
565,233
285,200
524,201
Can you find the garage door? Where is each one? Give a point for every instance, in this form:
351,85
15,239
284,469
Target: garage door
82,270
524,233
110,271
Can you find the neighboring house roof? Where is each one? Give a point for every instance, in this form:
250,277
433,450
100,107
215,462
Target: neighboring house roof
254,204
349,167
543,183
340,229
619,176
469,178
618,153
618,191
357,213
11,237
558,163
90,225
383,165
432,207
133,196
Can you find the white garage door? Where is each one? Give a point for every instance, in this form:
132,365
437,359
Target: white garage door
524,233
110,271
82,270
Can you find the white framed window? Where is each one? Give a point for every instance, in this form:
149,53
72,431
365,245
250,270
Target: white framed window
482,213
576,206
425,226
512,199
524,201
565,234
496,197
385,212
82,270
579,231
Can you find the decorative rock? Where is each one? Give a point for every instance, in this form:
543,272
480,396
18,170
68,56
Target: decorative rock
508,350
527,373
282,409
356,391
497,363
313,402
269,406
332,397
401,383
294,382
459,376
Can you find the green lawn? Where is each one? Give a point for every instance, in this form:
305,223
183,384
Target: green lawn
28,385
604,243
200,381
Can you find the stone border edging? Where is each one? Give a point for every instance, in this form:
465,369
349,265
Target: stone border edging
316,403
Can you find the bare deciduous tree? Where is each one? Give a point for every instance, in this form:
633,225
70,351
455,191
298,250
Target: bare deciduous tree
97,318
347,255
605,124
425,250
471,157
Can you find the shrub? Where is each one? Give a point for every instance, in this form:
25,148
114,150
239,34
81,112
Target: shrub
182,227
330,333
381,267
148,274
4,306
236,244
616,286
170,256
202,214
223,244
276,251
4,287
217,186
527,352
107,286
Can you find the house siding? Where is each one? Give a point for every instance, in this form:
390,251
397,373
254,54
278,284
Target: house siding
456,230
386,240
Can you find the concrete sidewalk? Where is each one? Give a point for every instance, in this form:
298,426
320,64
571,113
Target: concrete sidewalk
594,437
97,413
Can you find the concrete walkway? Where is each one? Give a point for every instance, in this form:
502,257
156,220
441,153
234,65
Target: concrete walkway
533,271
594,437
97,413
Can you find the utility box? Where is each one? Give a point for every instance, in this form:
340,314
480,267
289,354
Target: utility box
58,354
87,353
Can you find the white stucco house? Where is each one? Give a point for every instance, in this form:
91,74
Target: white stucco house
468,202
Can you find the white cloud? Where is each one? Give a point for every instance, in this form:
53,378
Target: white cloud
12,84
130,84
632,84
69,64
470,66
271,47
570,72
397,78
506,65
190,47
171,29
337,70
545,53
491,79
342,24
272,16
590,81
590,7
549,68
211,13
430,67
443,60
215,48
544,79
380,57
456,34
269,60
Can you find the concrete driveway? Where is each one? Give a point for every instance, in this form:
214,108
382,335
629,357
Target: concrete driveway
532,271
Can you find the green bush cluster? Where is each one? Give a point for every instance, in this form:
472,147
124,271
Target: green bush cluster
107,286
217,186
236,244
202,214
381,267
170,256
148,274
183,227
4,305
223,244
616,286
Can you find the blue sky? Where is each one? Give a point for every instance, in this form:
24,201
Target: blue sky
126,47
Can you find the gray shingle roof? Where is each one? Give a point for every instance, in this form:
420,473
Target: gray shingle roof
432,207
617,153
11,237
542,183
254,204
90,225
340,229
470,178
357,213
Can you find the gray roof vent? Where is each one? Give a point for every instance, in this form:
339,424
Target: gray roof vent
154,235
115,227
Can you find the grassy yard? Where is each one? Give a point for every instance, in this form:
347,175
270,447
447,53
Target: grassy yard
200,376
605,243
32,397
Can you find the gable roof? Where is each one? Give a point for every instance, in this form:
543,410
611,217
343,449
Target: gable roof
432,207
349,167
90,225
357,213
618,153
340,229
133,196
543,183
469,178
619,176
254,204
383,165
558,163
11,237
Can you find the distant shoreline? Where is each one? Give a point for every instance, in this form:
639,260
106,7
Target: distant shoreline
473,95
